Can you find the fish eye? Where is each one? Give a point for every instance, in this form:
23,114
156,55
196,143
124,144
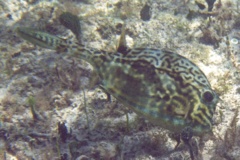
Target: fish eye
208,96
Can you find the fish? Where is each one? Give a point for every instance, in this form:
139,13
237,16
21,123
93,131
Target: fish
161,85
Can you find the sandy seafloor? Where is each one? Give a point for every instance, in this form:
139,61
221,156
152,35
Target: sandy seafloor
55,84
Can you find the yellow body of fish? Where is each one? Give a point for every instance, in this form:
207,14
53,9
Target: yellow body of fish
164,87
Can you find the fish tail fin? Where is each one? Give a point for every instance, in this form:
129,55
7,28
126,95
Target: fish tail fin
42,39
49,41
